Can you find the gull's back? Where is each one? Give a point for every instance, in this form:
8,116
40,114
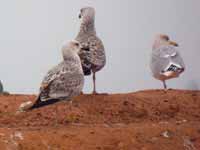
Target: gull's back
164,59
92,54
65,80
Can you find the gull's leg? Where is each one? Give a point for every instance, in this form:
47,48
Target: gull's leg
94,83
165,85
94,86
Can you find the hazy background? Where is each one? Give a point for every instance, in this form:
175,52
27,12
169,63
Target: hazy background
33,31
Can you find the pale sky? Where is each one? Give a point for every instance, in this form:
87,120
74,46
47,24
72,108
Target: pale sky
33,31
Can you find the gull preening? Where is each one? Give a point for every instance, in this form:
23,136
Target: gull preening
92,53
63,81
166,61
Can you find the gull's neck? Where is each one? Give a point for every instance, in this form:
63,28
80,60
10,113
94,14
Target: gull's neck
87,28
69,55
157,44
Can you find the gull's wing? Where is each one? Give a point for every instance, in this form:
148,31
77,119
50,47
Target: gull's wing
165,51
166,58
55,75
52,74
92,55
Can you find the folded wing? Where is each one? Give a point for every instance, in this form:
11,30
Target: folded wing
166,58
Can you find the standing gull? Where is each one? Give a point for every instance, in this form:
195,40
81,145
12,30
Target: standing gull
166,62
92,54
63,81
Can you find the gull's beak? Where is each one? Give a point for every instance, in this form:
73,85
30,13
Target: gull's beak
173,43
79,16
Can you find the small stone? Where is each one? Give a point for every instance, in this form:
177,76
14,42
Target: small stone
24,106
18,135
181,121
167,134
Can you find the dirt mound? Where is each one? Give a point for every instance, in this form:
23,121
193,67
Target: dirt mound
145,120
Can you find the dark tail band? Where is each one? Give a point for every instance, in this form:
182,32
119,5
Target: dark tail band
40,103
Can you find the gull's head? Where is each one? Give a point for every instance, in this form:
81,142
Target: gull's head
163,39
72,47
87,14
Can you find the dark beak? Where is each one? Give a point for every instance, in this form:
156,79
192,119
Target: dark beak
79,16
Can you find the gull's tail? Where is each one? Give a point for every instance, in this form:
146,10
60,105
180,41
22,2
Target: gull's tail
174,68
38,103
27,106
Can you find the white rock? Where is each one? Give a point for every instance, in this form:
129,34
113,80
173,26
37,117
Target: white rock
24,106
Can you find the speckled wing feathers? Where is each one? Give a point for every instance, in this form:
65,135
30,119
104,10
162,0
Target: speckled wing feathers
92,54
61,81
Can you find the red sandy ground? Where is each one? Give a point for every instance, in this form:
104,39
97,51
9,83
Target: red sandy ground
145,120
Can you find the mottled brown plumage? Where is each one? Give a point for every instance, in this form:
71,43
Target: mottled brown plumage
92,53
64,80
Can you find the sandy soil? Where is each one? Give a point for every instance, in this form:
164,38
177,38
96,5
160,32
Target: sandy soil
145,120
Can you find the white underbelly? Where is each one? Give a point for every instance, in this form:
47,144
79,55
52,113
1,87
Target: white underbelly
167,75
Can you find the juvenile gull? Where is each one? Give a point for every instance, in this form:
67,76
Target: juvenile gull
64,80
92,54
166,62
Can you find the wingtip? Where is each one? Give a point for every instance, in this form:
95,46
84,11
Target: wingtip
25,106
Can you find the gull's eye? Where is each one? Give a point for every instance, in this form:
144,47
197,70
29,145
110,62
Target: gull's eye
76,44
167,38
